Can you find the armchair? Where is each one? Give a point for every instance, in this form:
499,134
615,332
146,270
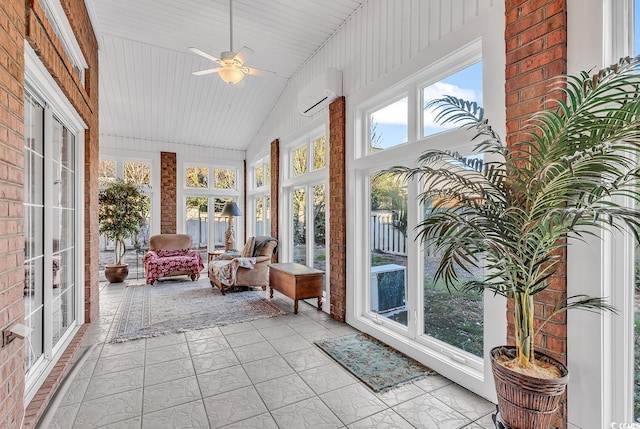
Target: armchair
171,255
250,269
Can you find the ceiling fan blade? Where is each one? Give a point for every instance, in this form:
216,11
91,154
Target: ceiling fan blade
204,54
207,71
242,55
258,72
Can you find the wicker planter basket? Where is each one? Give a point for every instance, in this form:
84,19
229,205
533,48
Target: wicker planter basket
526,402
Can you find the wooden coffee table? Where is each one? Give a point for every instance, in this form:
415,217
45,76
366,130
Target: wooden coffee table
296,281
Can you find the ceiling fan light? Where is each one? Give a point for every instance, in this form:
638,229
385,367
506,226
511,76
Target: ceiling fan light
231,75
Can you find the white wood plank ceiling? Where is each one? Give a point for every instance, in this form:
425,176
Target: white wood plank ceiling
147,90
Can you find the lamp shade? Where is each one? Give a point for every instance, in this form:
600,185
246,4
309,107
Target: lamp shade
231,209
231,75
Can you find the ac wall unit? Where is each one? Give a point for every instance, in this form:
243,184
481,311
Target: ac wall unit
319,93
388,287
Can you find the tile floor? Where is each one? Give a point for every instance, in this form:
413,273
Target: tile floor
261,374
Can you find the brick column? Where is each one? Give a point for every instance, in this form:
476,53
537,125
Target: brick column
337,210
275,190
12,30
536,51
168,193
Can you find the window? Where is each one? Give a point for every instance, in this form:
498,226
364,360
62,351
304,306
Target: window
259,198
299,160
305,188
107,171
465,84
389,126
138,172
197,177
52,276
224,178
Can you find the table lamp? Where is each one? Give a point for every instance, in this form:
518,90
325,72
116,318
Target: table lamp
230,210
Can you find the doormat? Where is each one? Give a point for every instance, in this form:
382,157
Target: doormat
376,364
167,307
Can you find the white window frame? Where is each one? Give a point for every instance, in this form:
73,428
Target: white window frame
61,26
42,84
316,128
253,193
468,370
210,192
600,346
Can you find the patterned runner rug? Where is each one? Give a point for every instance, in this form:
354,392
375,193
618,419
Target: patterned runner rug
378,365
166,307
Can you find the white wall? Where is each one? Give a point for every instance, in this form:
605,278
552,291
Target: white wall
377,39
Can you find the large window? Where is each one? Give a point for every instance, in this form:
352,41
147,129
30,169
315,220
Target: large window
396,295
206,188
140,171
259,197
51,202
305,187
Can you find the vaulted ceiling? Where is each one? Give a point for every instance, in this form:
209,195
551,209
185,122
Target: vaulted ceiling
147,90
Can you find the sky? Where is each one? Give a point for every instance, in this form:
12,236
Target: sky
636,32
391,121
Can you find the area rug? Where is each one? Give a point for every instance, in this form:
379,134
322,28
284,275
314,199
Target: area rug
166,307
376,364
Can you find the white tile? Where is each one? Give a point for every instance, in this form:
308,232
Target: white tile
235,328
167,353
200,334
167,371
485,422
464,401
277,331
119,363
111,349
263,421
223,380
166,340
387,419
267,369
189,415
133,423
255,351
268,322
75,392
291,343
110,409
171,393
64,417
326,377
244,338
233,406
352,403
214,360
311,413
116,382
400,394
283,391
427,412
306,359
432,382
208,345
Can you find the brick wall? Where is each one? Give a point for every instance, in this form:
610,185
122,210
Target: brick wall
168,193
11,214
337,210
275,190
536,51
20,20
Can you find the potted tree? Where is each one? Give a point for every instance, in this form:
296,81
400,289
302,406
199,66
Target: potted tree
123,208
514,211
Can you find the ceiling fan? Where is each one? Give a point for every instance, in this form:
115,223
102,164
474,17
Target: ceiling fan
232,69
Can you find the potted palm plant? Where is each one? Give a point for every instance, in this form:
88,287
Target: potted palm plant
515,210
122,211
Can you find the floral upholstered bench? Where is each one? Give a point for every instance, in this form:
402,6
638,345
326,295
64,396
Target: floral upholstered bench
171,255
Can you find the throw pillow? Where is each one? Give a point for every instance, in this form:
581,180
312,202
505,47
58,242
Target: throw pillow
168,253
